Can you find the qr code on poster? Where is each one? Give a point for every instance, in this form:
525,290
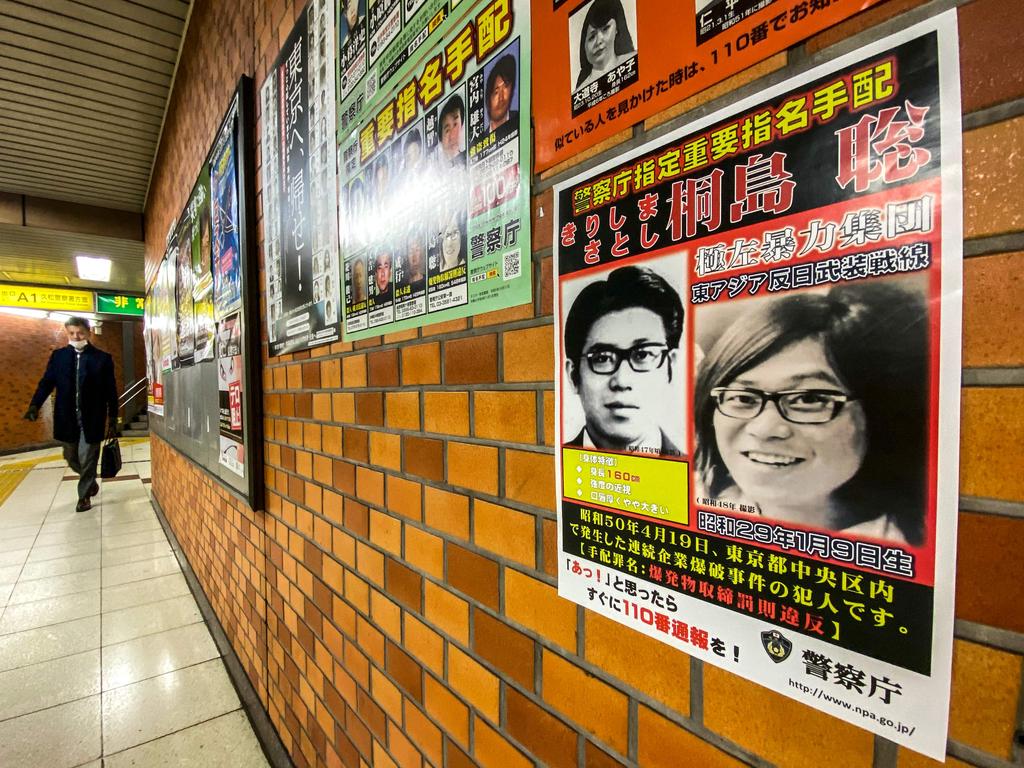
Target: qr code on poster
512,266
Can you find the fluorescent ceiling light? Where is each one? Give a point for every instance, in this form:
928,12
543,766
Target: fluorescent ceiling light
22,312
91,268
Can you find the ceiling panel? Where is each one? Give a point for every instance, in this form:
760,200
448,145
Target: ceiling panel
83,89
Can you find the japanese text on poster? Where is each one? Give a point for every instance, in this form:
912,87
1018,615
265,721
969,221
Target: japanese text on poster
759,321
300,186
609,64
434,161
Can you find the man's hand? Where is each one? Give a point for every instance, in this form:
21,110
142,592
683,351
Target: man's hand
32,413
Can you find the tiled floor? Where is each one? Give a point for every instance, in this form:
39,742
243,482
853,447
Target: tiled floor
104,656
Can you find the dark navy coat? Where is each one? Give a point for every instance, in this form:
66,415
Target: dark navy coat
98,393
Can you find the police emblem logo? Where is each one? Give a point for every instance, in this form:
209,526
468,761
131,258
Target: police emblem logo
776,645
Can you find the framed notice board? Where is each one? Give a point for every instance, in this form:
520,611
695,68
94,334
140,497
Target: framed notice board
202,321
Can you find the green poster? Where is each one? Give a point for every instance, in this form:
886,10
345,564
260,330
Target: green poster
434,161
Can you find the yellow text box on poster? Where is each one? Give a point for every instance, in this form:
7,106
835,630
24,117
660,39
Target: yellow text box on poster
641,485
40,297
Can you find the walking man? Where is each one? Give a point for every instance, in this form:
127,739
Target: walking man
86,398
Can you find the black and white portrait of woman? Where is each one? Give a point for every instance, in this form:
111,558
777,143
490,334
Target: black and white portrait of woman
602,35
812,408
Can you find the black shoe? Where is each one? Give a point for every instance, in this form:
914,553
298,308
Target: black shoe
84,505
94,489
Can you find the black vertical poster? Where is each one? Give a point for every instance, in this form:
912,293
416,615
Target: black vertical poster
300,238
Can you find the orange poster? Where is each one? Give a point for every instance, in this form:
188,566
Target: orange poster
608,64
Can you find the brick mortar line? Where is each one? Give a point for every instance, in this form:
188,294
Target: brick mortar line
468,545
974,756
472,332
986,506
992,115
991,245
992,377
440,437
425,482
498,386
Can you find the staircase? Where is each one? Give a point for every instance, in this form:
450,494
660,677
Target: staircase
138,427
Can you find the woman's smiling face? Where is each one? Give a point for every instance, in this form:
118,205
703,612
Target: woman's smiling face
778,463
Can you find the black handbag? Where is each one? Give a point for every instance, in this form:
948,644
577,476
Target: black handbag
110,460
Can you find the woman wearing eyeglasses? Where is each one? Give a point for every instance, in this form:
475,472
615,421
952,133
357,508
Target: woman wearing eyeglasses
813,409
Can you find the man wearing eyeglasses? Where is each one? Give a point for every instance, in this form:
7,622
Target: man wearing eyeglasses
621,347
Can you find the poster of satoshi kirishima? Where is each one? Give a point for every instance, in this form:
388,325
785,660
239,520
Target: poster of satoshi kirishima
758,323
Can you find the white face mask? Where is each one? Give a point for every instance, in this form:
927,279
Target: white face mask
78,345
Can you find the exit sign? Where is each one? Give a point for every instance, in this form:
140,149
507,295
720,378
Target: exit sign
119,304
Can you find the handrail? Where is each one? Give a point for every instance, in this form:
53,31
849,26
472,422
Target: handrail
128,395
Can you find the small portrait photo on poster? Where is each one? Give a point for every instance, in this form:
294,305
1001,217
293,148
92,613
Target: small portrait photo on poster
381,183
356,286
413,264
624,368
501,93
412,153
812,408
451,132
352,24
603,50
448,246
380,280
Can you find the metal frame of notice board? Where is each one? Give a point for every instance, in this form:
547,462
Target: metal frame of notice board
196,386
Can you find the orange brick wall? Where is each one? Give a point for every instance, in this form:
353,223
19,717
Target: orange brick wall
25,347
395,604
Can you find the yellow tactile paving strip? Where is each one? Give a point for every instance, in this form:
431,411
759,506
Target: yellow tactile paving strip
12,473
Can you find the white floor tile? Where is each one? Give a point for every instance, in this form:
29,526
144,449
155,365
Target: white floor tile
9,573
55,586
34,646
133,539
57,551
5,593
14,543
134,512
16,557
54,610
116,575
224,742
123,555
147,710
60,737
69,534
19,531
153,655
62,566
142,592
134,526
129,623
58,681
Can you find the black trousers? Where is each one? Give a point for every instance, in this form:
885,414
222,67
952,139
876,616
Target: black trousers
83,459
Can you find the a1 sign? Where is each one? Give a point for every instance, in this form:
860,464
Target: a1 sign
120,304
